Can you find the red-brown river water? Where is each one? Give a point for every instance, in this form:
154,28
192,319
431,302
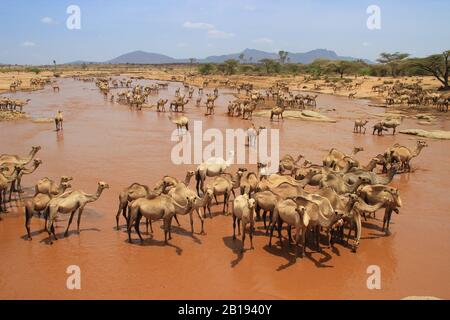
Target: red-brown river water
110,142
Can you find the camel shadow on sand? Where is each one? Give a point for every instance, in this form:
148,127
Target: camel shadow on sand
61,236
235,246
151,242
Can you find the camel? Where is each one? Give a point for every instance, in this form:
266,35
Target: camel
180,122
249,183
248,110
266,200
391,124
17,184
70,202
38,203
178,103
379,128
288,163
5,181
338,183
211,168
277,111
55,87
274,180
318,214
59,120
334,156
161,105
385,196
49,187
359,125
20,160
244,211
290,212
162,207
352,176
133,192
181,195
404,155
224,185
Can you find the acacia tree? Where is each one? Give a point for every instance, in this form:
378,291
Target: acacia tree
340,67
437,65
283,56
230,66
392,60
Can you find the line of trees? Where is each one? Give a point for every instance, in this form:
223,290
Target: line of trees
389,64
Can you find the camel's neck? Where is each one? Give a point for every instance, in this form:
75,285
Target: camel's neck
94,197
30,156
187,179
370,166
13,175
417,151
31,170
352,188
237,181
363,206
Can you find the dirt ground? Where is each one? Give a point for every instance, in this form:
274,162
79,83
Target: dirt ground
110,142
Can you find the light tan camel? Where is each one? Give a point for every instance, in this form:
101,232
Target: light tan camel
334,156
266,201
38,204
161,105
277,111
49,187
291,213
211,168
224,185
17,184
404,155
244,211
359,125
19,160
59,120
288,163
70,202
5,182
338,183
162,207
249,183
180,122
388,197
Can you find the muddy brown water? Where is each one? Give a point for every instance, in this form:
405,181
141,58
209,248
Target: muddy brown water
109,142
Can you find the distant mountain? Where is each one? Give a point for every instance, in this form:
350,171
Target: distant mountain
142,57
250,55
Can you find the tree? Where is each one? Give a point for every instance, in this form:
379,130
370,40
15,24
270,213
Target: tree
283,56
270,65
206,68
392,60
340,67
241,57
437,65
230,66
191,62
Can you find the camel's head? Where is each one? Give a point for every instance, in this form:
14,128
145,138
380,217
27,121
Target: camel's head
242,169
190,174
261,165
301,210
37,162
209,192
36,148
422,144
251,202
66,178
357,149
66,185
4,169
396,197
103,185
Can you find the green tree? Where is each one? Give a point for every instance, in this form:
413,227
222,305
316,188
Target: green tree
271,66
392,60
206,68
230,66
436,65
340,67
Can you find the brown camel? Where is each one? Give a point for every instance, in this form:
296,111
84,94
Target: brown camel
70,202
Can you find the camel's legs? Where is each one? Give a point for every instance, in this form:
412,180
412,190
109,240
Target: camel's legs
70,222
136,227
251,234
201,221
234,227
28,216
123,209
243,236
80,212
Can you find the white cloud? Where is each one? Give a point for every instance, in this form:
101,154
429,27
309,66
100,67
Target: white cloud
198,25
48,20
263,41
214,33
28,44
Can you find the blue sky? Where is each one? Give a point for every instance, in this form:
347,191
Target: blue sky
34,31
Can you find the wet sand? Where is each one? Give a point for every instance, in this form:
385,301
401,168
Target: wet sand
104,141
